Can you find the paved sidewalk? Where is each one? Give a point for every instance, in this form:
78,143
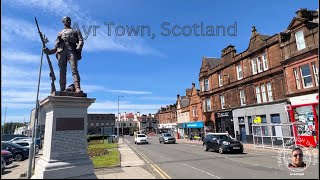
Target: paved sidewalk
132,167
18,168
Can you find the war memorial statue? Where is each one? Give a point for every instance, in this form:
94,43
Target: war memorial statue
68,47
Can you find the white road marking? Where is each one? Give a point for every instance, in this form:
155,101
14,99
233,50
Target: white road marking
202,171
250,163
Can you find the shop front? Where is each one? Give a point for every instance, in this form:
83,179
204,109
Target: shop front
224,122
304,111
196,128
167,128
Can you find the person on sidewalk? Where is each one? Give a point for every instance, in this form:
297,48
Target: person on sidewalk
202,136
192,136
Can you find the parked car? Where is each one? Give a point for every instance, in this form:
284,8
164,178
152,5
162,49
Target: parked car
167,138
3,165
19,153
7,156
140,139
8,137
26,144
222,142
28,139
20,138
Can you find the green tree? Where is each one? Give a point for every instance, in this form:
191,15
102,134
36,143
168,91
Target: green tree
9,128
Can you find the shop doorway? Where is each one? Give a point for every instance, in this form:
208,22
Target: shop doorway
225,125
243,136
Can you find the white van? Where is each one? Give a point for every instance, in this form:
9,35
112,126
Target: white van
140,139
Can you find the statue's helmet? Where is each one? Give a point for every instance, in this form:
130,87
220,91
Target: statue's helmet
66,18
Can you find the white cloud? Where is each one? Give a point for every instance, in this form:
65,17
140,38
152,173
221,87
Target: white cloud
128,92
12,28
154,98
20,57
102,42
112,106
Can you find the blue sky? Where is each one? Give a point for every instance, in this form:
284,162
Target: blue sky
149,73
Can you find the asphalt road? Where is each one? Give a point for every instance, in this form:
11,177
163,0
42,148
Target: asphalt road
182,160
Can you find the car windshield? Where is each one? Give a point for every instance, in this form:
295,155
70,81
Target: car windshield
167,135
141,135
224,137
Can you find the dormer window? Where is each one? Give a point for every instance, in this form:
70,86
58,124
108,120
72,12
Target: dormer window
300,40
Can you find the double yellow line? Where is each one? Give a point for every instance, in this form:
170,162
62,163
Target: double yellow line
154,166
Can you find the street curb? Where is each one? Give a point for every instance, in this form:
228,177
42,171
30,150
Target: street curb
147,165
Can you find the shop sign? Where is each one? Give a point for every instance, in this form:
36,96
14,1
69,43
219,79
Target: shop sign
257,120
224,114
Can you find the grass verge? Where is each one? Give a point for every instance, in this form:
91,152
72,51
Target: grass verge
112,159
104,155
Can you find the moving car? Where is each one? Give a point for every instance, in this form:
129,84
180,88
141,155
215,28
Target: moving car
19,153
7,156
167,138
222,142
140,139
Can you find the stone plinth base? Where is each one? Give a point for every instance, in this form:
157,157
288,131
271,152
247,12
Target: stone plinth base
71,169
65,139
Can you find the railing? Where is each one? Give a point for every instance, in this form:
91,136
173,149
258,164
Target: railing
284,136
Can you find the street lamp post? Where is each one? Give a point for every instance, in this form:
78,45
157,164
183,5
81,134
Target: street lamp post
118,117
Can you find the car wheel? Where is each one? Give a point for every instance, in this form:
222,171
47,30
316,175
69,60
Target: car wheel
159,141
221,149
18,157
147,142
205,147
241,152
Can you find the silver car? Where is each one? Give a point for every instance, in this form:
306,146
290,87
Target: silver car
167,138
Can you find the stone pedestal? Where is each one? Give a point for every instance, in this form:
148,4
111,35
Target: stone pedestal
65,139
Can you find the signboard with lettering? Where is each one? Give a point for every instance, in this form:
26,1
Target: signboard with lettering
224,114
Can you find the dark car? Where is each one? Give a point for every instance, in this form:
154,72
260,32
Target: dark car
19,153
167,138
222,142
7,156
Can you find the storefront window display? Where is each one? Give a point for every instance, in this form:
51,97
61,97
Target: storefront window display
305,117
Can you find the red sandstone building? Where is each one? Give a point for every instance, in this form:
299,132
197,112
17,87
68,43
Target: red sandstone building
300,59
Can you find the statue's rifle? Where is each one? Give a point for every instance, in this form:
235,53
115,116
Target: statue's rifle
44,40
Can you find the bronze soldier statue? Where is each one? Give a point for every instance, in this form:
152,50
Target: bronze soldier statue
68,47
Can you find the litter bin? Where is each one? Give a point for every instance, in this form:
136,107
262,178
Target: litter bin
110,139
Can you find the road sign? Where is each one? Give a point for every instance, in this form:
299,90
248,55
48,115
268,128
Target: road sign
257,119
